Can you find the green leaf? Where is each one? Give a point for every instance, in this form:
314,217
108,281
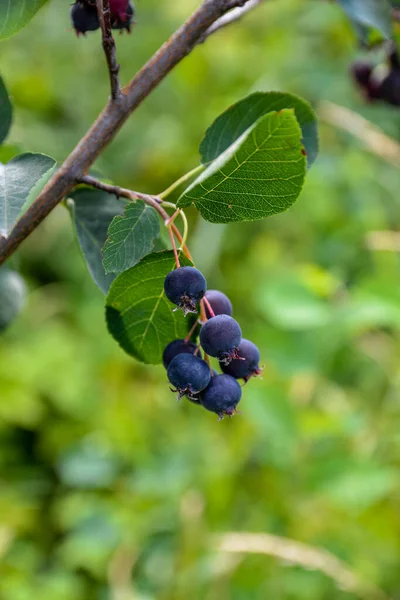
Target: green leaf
5,111
17,178
370,13
12,296
139,316
93,211
229,126
260,175
15,14
130,237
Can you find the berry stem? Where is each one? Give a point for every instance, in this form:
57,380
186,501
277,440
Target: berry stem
210,310
180,181
191,332
203,314
171,235
184,219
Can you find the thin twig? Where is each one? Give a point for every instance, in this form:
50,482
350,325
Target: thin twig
297,553
152,201
104,12
113,117
231,17
373,138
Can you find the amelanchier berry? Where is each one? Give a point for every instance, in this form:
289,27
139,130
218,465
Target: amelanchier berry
122,14
178,347
222,395
188,374
220,337
248,364
185,287
84,17
219,302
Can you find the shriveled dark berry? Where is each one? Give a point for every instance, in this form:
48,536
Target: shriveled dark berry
222,395
361,71
178,347
122,14
188,374
220,337
389,88
247,365
185,287
219,302
84,17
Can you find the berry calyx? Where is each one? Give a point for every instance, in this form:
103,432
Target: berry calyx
84,17
185,287
220,337
248,364
222,395
220,303
178,347
189,375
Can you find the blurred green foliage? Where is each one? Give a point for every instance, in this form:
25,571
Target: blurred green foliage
109,490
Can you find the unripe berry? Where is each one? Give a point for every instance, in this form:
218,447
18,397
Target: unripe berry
84,17
220,337
219,302
222,395
185,287
247,365
178,347
188,374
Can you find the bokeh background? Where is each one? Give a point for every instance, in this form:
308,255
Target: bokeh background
109,490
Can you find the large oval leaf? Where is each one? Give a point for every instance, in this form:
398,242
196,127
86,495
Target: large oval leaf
260,175
12,296
17,178
229,126
93,211
15,14
130,237
139,316
5,112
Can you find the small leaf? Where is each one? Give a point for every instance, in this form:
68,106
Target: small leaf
12,296
130,237
5,112
369,13
139,316
17,178
229,126
93,211
260,175
15,14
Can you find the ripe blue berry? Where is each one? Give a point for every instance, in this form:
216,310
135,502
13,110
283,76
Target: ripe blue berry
220,303
222,395
178,347
84,17
188,374
220,337
185,287
247,368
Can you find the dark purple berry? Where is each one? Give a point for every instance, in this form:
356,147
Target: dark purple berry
185,287
220,303
178,347
361,71
84,17
220,337
188,374
247,368
222,395
122,15
389,88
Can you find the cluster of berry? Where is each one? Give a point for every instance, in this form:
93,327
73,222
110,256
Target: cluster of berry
381,82
85,18
220,337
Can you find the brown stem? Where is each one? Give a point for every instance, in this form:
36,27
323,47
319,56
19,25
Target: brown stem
210,310
191,332
231,17
104,12
113,117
